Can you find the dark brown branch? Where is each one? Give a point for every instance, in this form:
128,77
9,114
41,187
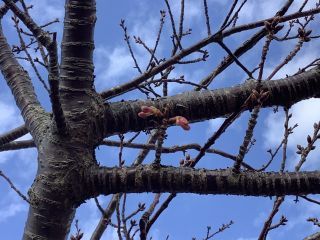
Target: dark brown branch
16,145
4,9
13,134
266,226
146,215
42,36
226,20
243,149
76,69
163,207
228,60
106,216
25,49
206,14
310,200
51,45
103,180
54,79
262,22
198,106
21,86
314,236
127,40
235,59
101,227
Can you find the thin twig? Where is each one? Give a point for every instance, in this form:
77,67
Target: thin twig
206,14
13,187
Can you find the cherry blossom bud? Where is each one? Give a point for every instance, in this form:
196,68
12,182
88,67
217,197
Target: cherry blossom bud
182,122
147,111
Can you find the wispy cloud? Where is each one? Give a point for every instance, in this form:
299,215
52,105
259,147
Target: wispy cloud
9,119
266,9
11,210
113,66
11,205
46,10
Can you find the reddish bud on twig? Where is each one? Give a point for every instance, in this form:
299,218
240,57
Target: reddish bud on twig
180,121
147,111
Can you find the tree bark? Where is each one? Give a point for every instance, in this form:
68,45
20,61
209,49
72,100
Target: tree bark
121,117
54,195
149,178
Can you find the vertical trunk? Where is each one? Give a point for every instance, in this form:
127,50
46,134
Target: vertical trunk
54,194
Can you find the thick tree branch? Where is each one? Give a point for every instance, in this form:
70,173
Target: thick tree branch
54,80
51,45
42,36
101,227
17,145
77,46
13,135
198,106
21,86
148,178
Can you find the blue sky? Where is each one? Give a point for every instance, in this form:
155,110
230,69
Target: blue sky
188,214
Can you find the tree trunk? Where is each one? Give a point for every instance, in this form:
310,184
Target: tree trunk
54,195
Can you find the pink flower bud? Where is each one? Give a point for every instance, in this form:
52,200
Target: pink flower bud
143,114
180,121
147,111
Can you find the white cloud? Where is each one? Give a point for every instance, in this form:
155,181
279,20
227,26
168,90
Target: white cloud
214,124
154,233
11,210
11,205
110,66
297,215
306,56
193,11
43,12
266,9
46,10
260,219
9,117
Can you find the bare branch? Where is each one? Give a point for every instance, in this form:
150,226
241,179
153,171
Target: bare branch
208,181
13,187
213,38
13,134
